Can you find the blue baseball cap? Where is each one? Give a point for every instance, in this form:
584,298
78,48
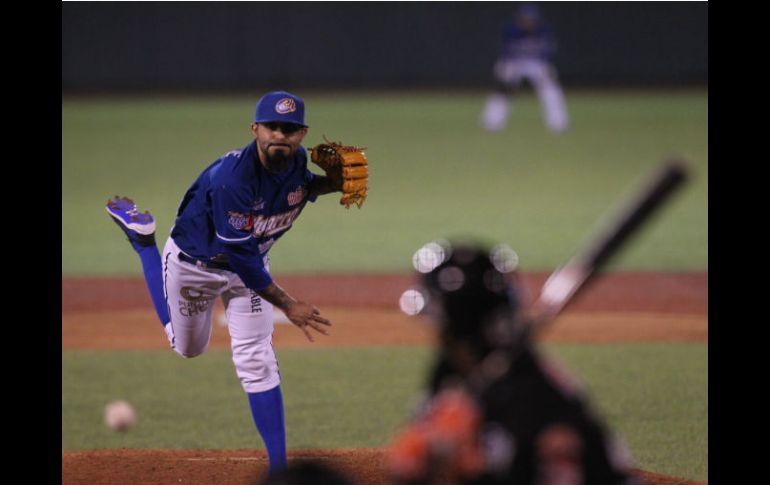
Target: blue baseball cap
280,106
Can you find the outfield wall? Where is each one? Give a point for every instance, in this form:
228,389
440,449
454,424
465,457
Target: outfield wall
110,46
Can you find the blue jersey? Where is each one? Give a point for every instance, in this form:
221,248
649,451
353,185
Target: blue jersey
518,43
236,210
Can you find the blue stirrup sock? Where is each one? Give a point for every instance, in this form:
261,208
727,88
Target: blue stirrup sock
153,276
267,411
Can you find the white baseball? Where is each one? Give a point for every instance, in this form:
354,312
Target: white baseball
119,415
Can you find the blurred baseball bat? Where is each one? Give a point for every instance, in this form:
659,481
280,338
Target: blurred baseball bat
569,280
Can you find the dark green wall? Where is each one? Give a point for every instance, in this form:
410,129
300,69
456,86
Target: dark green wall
243,45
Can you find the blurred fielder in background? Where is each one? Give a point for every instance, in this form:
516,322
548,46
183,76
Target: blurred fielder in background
495,411
228,220
527,50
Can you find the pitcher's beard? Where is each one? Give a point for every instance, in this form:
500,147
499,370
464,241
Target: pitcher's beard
277,161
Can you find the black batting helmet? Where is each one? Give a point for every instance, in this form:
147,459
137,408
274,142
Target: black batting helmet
470,290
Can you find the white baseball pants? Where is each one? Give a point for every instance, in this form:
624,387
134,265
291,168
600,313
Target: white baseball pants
543,79
190,293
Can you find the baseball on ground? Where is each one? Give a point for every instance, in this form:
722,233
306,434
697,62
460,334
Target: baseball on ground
119,415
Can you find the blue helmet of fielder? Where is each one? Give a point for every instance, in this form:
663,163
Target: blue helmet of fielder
529,11
470,290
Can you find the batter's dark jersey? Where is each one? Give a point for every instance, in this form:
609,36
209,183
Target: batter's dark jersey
524,403
236,210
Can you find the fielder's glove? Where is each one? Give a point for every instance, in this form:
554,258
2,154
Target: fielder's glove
347,167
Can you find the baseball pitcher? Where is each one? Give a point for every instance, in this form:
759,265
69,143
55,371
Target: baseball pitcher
228,220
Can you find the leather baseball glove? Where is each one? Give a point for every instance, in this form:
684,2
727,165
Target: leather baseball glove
347,168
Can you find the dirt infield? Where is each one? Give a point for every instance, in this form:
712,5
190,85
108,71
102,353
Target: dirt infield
117,314
628,307
231,467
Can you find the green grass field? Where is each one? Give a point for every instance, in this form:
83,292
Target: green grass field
434,173
655,396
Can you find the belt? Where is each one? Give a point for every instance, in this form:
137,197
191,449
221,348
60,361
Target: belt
204,264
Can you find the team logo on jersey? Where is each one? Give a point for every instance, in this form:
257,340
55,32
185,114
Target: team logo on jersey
297,196
267,226
240,221
285,105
